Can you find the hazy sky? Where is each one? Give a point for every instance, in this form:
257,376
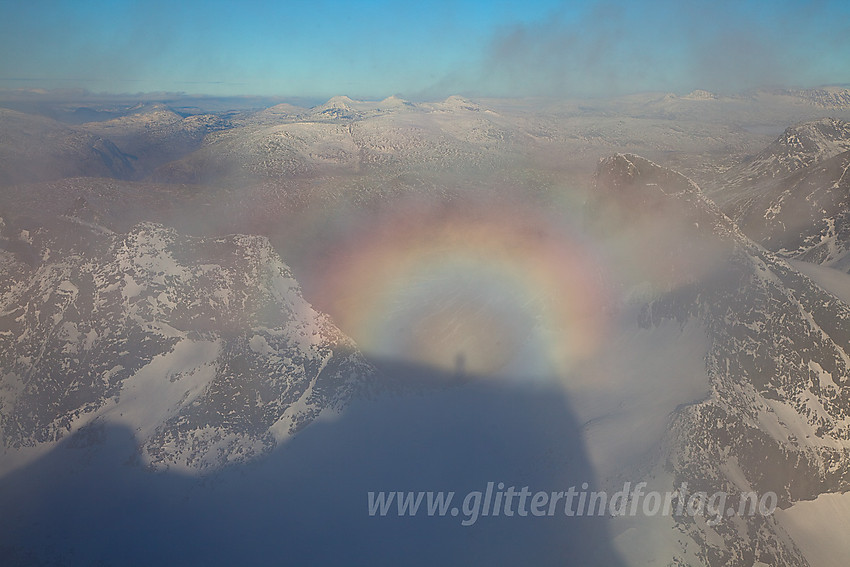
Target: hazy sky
373,48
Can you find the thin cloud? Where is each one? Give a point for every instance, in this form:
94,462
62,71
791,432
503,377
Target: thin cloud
610,49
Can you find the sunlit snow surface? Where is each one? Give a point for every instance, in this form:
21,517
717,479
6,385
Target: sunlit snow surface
819,528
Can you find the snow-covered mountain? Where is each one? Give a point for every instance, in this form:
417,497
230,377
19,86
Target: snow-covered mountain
153,134
204,347
35,148
777,417
347,137
792,197
798,147
827,97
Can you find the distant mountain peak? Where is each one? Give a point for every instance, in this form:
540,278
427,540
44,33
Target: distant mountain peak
457,102
825,97
798,147
700,94
394,102
340,101
283,108
338,107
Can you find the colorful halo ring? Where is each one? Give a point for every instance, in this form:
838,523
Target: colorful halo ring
481,292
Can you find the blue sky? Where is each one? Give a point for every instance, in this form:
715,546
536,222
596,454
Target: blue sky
373,48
